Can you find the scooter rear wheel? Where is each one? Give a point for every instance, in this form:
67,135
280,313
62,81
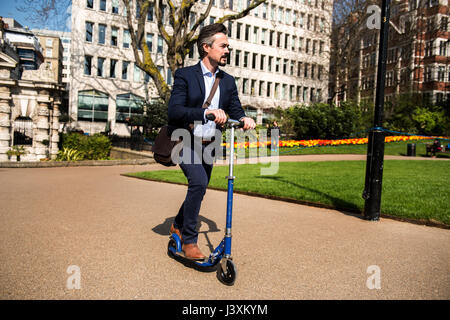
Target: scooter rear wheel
172,245
227,276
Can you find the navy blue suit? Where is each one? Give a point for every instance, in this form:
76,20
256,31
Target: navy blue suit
185,107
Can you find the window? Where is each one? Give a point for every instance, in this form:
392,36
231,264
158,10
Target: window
247,32
90,4
441,73
48,52
262,62
237,58
150,12
313,71
277,91
101,33
301,20
128,105
126,38
115,6
269,65
238,31
288,16
291,93
443,48
444,24
255,34
308,42
150,41
100,69
263,36
294,40
212,19
305,94
246,59
428,48
305,74
285,63
280,14
49,42
254,58
299,69
428,75
230,29
102,6
92,106
112,68
261,88
300,44
279,39
271,38
272,12
125,70
87,65
137,74
89,29
291,70
244,86
269,89
252,87
114,36
160,45
264,10
286,41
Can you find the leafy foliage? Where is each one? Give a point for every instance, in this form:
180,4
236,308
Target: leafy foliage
95,147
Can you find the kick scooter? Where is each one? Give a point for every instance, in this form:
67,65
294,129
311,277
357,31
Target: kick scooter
221,256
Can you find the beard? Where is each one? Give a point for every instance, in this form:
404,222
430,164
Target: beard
222,64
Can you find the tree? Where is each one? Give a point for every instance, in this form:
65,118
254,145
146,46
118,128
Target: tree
179,40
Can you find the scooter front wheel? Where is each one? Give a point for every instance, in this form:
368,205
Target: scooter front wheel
171,248
227,276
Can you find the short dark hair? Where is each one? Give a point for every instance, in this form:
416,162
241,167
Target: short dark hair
206,36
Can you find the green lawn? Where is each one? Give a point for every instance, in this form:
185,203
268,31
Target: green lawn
411,189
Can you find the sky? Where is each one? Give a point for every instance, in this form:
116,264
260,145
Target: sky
8,8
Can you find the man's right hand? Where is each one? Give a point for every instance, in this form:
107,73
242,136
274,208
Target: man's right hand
220,115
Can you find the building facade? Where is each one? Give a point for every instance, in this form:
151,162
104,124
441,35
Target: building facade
29,96
417,60
279,57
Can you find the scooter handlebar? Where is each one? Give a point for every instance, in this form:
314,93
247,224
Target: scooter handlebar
235,123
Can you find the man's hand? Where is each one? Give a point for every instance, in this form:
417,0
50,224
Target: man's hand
220,115
249,123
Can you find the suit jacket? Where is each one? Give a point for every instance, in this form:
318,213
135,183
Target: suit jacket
188,95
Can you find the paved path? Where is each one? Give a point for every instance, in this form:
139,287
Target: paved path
116,230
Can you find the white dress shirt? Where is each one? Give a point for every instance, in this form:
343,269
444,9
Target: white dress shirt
207,130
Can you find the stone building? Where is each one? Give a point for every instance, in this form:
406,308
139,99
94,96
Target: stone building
279,57
29,96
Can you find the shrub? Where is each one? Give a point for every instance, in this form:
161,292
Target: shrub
95,147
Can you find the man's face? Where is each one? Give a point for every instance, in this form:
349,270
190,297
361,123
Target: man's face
217,53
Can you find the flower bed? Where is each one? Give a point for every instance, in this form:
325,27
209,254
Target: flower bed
323,142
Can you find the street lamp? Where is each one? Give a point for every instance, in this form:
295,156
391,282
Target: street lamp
375,149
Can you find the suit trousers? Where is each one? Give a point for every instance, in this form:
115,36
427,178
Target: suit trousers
198,174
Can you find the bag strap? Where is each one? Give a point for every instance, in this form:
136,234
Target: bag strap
211,94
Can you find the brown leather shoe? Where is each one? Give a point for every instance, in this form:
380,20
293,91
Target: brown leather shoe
192,252
176,231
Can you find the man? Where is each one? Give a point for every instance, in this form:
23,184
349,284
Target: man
191,88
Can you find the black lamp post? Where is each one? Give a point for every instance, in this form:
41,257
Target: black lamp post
375,150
